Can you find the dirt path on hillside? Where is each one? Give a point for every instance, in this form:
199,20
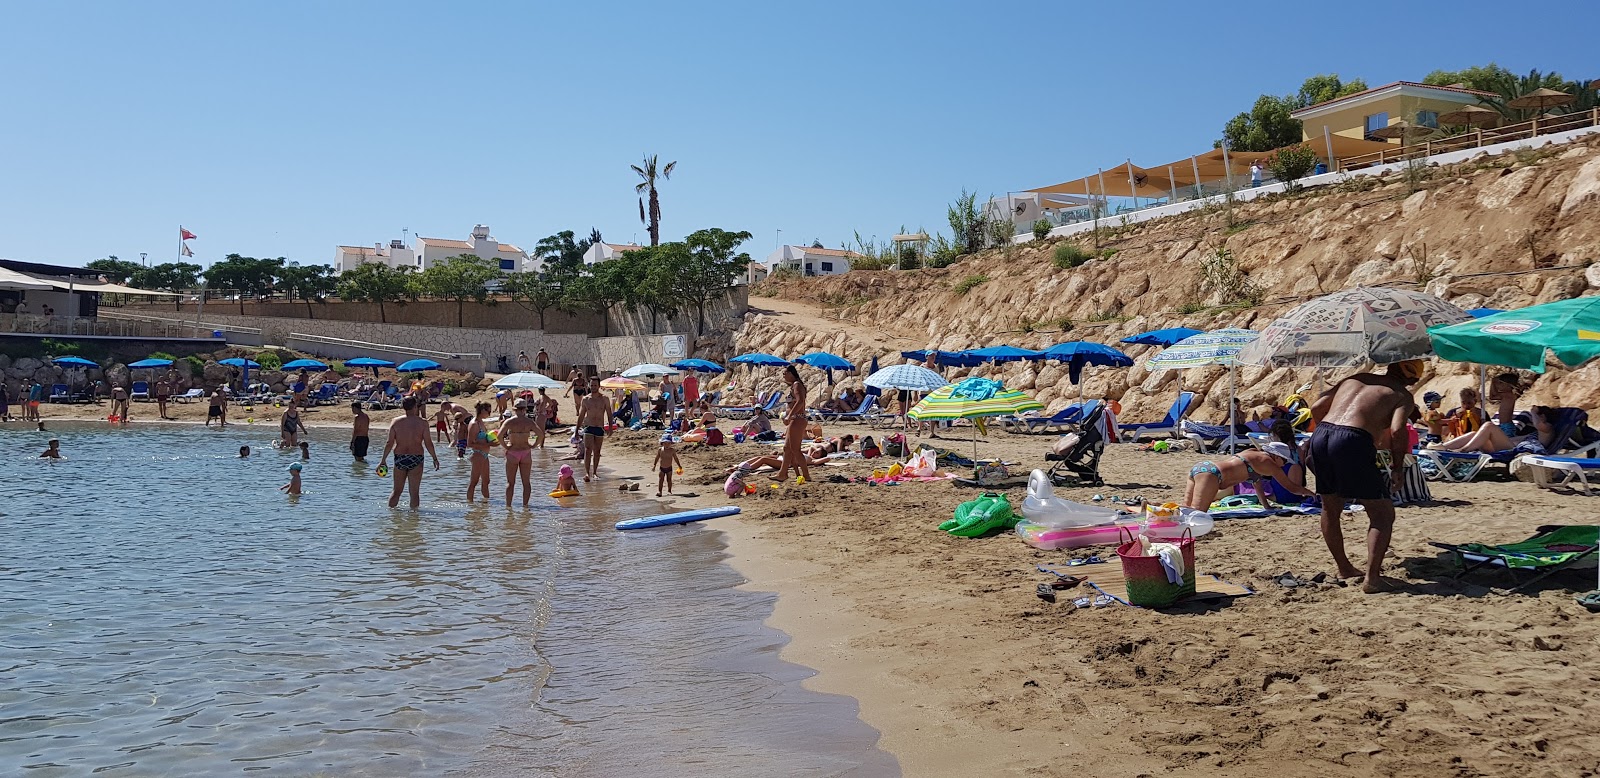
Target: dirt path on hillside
808,316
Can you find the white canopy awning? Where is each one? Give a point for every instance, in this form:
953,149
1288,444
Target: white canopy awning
11,279
56,282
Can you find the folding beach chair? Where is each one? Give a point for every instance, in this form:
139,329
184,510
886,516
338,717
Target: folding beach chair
60,394
140,389
1169,426
1553,548
1572,435
865,412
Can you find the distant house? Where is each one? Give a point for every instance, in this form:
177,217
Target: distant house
430,251
1360,114
805,260
601,252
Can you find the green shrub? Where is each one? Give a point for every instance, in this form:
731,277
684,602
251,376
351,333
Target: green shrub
1064,324
344,372
268,360
162,355
197,365
59,348
1041,229
1193,306
1069,255
970,282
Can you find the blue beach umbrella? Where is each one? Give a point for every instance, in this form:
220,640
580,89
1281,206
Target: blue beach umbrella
244,364
1164,337
1003,354
144,363
1478,313
368,362
698,366
309,364
417,365
77,362
758,359
825,361
1078,353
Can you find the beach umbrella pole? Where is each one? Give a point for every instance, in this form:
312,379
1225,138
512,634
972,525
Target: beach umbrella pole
1233,419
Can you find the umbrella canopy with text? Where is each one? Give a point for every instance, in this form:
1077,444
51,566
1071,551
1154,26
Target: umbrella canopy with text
1352,328
1569,330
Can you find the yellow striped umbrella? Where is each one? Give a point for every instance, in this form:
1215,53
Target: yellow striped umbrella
974,398
618,382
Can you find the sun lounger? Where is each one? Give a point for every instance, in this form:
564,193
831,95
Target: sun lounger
195,393
60,394
1069,416
749,410
1169,426
140,389
1459,467
1567,468
1554,548
865,412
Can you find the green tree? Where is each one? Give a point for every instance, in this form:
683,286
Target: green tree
249,276
308,282
538,291
1292,163
117,271
711,266
596,291
1325,87
649,277
375,282
460,278
168,276
966,224
651,216
1267,126
1484,78
561,254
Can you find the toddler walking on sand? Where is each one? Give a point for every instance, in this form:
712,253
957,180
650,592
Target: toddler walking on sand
666,460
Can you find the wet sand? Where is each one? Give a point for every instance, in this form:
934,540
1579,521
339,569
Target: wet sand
966,672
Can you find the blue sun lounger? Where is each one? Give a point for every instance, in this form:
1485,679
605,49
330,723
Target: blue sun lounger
1170,426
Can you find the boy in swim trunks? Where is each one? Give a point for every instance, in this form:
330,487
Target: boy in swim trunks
408,437
360,431
1351,417
594,413
54,451
666,460
293,487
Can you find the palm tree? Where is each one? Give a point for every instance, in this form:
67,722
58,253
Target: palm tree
652,217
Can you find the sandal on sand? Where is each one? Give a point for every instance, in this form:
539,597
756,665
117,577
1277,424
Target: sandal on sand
1102,601
1590,600
1091,560
1288,581
1065,582
1046,593
1081,602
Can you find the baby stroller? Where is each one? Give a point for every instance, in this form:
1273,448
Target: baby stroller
1079,463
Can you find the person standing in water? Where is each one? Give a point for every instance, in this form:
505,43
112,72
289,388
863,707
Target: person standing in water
539,411
478,444
360,432
794,422
593,416
218,409
514,435
1351,417
408,438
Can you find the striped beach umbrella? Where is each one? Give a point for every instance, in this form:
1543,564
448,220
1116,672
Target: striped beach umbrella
974,398
1209,349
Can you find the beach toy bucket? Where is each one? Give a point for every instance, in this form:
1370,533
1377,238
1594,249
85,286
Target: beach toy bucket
1146,579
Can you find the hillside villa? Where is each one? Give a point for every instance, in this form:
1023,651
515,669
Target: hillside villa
805,260
601,252
430,251
1363,113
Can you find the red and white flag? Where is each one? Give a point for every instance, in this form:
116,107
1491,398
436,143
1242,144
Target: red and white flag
186,252
184,234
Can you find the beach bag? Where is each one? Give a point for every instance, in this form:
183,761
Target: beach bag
869,448
714,437
923,465
766,437
894,446
1146,578
992,474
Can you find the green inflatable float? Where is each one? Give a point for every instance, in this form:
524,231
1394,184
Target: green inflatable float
986,514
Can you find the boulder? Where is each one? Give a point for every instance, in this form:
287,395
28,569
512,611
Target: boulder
1585,186
27,364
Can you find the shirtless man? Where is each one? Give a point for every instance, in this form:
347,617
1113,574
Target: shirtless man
360,432
794,423
541,361
514,435
1351,417
539,411
594,413
579,387
408,437
460,420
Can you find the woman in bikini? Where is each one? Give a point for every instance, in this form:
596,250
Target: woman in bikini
1208,478
478,446
579,388
794,427
1491,438
514,434
819,452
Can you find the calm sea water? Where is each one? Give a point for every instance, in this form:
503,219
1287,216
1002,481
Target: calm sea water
164,610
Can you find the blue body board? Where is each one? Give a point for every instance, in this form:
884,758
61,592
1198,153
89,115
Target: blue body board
678,518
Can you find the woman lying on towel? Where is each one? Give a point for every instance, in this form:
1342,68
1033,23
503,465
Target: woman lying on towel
1491,438
1208,478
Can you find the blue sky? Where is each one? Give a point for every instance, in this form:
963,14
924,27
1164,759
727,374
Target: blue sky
286,128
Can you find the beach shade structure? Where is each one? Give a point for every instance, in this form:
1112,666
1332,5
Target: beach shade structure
618,382
1353,327
944,358
1403,130
1080,353
305,364
244,366
1209,349
1470,116
1568,330
758,359
1003,354
368,362
418,365
910,378
825,361
1162,337
648,370
1540,99
527,379
1478,313
78,362
148,363
976,399
698,366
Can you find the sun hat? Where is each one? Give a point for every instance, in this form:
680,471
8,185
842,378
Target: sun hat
566,470
667,438
1278,449
1432,397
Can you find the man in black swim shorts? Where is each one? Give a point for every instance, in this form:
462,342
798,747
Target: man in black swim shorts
1351,418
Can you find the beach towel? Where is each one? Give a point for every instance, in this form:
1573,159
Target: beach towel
977,388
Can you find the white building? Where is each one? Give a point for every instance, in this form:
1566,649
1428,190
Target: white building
805,260
430,251
601,252
1025,208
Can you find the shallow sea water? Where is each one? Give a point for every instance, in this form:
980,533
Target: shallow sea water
164,610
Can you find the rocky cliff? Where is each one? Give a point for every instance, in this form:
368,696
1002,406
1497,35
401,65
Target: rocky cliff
1500,232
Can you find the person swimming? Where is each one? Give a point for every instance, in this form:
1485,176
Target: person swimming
244,452
54,450
293,487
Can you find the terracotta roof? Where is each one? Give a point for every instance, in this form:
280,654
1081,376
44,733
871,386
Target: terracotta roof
1385,87
510,248
827,252
454,244
368,250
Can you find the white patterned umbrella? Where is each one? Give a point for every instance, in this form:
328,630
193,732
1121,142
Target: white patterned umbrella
527,380
1352,328
1209,349
648,370
914,378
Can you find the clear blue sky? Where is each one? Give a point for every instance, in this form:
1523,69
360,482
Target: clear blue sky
286,128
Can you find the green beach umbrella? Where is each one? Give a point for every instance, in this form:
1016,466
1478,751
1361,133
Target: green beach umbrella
1567,329
974,398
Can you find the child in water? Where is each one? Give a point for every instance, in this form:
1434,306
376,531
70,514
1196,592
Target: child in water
244,452
305,451
666,460
53,452
293,487
566,483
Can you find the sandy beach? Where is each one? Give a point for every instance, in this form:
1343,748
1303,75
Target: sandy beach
966,672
